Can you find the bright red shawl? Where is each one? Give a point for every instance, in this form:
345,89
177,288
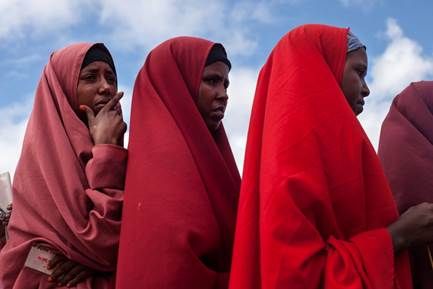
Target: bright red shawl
67,192
314,201
406,150
182,184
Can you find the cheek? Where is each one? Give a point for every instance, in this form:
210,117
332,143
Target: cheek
204,98
85,96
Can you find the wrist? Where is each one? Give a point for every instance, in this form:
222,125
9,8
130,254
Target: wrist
399,240
107,140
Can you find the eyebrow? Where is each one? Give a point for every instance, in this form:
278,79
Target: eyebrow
91,70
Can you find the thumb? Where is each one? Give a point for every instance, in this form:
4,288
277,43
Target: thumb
89,113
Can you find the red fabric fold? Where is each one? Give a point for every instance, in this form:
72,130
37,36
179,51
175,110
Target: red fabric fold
53,201
405,149
182,183
314,202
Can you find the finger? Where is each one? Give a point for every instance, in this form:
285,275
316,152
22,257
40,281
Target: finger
89,113
82,276
69,276
55,261
124,128
62,269
112,103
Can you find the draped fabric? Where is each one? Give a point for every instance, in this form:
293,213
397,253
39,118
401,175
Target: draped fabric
406,150
314,202
182,183
67,193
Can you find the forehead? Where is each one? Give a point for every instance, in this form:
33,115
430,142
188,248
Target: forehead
97,65
358,56
218,67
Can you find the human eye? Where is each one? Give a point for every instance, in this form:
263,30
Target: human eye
88,76
362,71
212,80
111,78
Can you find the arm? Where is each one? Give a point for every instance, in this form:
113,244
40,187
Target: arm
101,205
295,253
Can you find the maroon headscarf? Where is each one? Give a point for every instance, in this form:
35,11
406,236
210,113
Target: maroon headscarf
406,152
68,193
182,182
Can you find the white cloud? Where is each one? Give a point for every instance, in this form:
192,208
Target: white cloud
134,24
13,120
401,63
18,17
241,92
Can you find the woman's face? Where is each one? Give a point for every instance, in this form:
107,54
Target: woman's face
353,84
97,84
212,96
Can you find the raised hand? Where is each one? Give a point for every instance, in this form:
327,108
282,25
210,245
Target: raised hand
107,126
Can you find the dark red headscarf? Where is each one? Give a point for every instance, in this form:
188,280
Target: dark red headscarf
182,182
67,193
314,203
406,152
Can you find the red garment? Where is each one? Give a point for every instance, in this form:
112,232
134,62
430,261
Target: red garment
181,185
314,202
67,192
406,150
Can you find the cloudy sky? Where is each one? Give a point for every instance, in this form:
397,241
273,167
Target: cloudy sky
397,33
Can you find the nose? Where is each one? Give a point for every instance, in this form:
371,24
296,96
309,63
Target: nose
105,87
365,91
222,93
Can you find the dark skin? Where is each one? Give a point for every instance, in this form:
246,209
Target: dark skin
212,97
4,221
100,110
415,226
354,87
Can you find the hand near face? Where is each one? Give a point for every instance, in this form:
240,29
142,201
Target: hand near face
107,126
4,221
67,272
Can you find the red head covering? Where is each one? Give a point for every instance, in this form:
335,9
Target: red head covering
314,202
62,199
182,183
406,150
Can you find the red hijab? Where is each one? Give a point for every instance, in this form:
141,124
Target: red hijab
182,182
406,150
64,195
314,202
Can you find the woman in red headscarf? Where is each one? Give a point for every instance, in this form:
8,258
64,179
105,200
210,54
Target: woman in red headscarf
406,150
315,209
68,185
182,182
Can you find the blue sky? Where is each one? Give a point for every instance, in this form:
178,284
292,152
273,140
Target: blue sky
397,33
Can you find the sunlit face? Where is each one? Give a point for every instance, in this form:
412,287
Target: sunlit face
353,85
97,84
212,96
